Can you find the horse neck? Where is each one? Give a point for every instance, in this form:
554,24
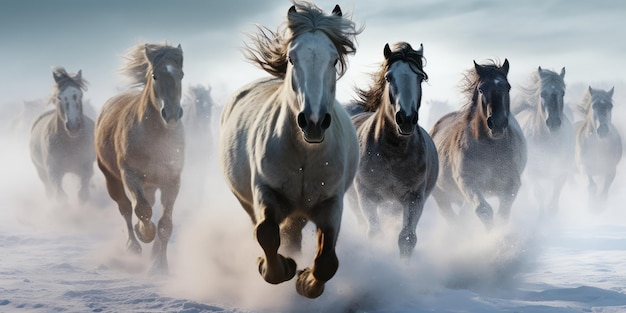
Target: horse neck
146,112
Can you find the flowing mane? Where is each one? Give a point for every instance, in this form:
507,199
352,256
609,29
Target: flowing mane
584,107
372,98
471,79
63,80
268,49
532,90
137,66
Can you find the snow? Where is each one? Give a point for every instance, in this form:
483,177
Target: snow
68,258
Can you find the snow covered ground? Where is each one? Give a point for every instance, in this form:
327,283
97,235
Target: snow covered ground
72,259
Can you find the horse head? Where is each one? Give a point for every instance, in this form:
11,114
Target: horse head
601,107
551,96
312,61
493,96
69,99
166,81
200,99
404,77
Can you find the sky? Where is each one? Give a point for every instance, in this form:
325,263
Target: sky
583,36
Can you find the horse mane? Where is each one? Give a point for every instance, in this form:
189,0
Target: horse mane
268,49
371,99
137,66
63,79
584,106
533,88
470,80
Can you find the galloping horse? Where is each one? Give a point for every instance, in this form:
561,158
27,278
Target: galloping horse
140,144
598,144
61,140
398,159
482,150
288,149
549,134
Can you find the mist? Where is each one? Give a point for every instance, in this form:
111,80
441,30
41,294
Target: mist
213,252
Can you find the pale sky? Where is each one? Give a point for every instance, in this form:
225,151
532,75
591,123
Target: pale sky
584,36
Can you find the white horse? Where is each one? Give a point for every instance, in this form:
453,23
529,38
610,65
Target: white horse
288,149
598,144
549,135
61,140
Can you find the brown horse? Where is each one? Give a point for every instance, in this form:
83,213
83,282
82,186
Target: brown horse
398,159
61,140
598,144
482,150
140,144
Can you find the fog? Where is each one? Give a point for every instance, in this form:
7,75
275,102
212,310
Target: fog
213,252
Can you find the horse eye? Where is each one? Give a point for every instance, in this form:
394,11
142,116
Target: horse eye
336,61
290,60
154,76
388,78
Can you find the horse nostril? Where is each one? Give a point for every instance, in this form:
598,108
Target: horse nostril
180,113
399,118
326,121
490,123
302,120
164,114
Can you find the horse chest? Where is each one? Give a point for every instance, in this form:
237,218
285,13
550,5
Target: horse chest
156,157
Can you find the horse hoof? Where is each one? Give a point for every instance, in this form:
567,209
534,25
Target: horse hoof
159,268
133,246
145,233
308,286
285,270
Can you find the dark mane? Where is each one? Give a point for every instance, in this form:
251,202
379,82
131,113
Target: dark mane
63,79
268,49
371,99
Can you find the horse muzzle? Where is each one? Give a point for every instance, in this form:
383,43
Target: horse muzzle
313,130
553,124
172,116
497,126
406,123
73,127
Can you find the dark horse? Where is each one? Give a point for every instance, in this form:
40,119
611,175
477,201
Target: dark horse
140,145
482,150
398,159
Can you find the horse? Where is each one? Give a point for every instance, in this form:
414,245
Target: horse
598,143
140,145
482,150
549,134
198,105
288,150
398,159
61,140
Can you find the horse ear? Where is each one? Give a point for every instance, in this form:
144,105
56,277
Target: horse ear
421,49
292,10
79,75
477,67
611,91
386,51
148,52
337,10
505,67
562,74
590,89
55,76
539,69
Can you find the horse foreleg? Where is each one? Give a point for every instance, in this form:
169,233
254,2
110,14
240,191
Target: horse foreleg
368,201
482,209
56,183
311,281
115,187
556,194
85,178
445,205
145,228
165,227
506,202
413,205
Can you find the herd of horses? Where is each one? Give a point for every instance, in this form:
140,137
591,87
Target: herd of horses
289,151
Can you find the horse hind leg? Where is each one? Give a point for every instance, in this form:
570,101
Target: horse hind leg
291,233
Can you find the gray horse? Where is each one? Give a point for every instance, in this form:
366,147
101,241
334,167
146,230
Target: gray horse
549,134
61,140
398,159
482,150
